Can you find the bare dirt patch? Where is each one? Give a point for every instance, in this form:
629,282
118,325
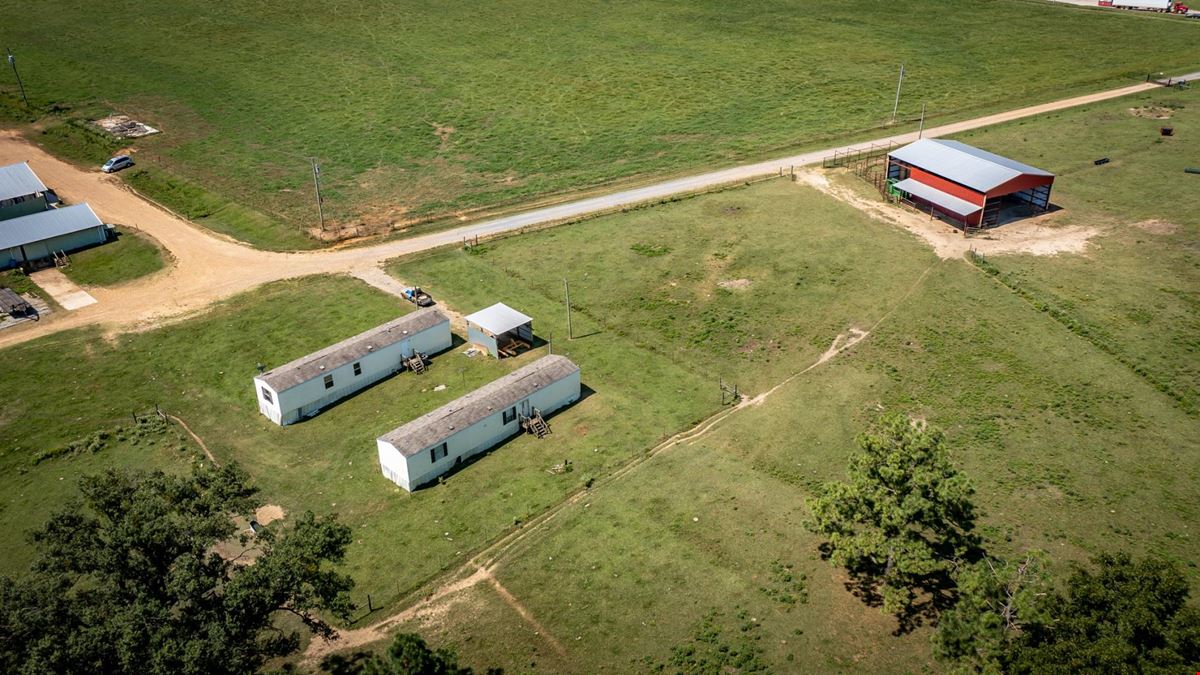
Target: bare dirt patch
443,132
1152,112
269,513
1038,235
122,126
735,284
1157,226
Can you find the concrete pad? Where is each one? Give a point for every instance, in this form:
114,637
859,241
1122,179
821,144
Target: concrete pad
64,291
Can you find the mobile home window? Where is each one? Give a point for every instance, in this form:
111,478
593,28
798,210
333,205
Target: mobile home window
357,369
329,381
267,395
510,414
437,452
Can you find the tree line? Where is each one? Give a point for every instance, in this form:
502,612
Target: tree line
903,527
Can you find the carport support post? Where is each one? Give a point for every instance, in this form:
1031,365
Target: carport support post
567,292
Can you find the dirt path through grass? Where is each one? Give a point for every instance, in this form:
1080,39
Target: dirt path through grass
482,565
208,267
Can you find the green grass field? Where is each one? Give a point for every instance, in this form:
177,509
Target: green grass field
419,110
1137,292
131,256
1070,438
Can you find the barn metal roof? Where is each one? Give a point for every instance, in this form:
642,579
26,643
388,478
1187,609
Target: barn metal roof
351,349
499,318
977,169
18,180
436,426
943,199
16,232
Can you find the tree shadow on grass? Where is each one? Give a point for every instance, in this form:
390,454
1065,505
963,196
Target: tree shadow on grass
932,595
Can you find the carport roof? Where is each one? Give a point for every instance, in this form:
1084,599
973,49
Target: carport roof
499,318
436,426
977,169
16,232
18,180
945,200
351,349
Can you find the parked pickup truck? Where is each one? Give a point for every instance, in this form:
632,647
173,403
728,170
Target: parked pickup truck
417,297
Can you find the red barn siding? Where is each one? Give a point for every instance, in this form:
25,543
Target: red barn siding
1022,182
948,186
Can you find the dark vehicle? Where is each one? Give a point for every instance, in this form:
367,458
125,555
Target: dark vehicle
418,297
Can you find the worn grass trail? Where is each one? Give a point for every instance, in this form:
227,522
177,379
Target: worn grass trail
481,566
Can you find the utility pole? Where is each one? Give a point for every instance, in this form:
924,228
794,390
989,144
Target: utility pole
12,61
567,291
896,105
921,129
316,169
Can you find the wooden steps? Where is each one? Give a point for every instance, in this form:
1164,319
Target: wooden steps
536,424
416,363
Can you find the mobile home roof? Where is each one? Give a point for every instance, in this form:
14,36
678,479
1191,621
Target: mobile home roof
18,180
47,224
351,349
438,425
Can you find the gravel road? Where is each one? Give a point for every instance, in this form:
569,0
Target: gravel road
207,267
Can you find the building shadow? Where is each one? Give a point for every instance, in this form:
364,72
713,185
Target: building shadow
431,363
462,463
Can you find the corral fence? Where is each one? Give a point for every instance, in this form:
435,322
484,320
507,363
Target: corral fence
870,164
860,160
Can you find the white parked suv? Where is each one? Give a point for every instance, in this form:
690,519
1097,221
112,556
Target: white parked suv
117,163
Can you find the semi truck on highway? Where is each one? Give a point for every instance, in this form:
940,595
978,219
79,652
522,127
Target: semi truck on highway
1169,6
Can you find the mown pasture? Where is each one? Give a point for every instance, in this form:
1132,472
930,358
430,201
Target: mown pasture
417,110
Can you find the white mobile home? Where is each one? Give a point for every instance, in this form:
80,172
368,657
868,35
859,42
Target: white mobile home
39,236
303,387
429,446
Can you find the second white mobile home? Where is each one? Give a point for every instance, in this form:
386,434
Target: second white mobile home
429,446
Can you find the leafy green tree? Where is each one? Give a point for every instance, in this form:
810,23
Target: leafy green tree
904,519
996,600
1124,617
127,581
407,655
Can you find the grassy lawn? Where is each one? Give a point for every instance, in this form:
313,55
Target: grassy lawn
1072,448
1137,291
419,111
21,283
741,285
130,257
200,370
1070,452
